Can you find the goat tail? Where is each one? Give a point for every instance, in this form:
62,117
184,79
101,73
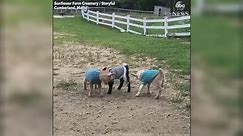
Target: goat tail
126,72
126,66
90,64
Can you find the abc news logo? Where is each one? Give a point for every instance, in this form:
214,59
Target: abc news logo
179,8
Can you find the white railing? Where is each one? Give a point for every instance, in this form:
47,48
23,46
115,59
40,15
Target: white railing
144,24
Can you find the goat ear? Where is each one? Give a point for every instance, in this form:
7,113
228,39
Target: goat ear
110,74
104,68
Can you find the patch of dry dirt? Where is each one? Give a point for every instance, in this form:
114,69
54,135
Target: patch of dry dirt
118,114
26,91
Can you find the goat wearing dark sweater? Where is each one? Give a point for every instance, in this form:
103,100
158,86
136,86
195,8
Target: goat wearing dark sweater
109,75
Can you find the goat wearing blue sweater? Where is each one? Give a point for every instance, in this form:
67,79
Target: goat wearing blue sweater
148,77
92,76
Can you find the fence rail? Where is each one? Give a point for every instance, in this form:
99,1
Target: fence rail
144,24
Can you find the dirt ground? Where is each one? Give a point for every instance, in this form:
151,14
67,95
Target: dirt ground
118,114
26,89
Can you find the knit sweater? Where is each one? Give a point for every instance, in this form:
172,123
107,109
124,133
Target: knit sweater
92,75
117,72
148,76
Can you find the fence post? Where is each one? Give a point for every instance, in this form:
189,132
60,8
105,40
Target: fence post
144,26
166,26
82,12
113,19
128,21
88,15
97,17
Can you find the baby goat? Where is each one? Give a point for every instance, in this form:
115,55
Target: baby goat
121,72
92,76
148,77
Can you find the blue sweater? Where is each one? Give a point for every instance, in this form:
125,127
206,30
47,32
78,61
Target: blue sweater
93,75
148,76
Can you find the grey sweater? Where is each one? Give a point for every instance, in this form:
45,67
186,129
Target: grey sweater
118,72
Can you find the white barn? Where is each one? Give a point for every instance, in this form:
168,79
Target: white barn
161,11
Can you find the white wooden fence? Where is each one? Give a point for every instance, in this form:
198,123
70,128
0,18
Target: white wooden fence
113,20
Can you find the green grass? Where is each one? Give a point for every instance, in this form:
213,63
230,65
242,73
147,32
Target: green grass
68,85
193,2
27,10
217,41
174,51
